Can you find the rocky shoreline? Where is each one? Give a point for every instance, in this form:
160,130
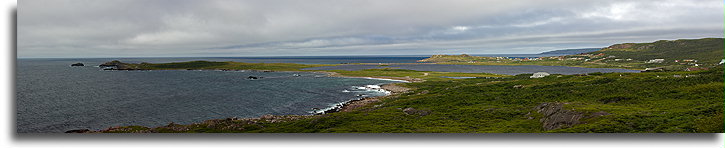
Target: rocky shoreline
354,104
226,124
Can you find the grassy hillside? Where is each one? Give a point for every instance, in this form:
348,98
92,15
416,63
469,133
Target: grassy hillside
688,53
706,51
572,51
679,102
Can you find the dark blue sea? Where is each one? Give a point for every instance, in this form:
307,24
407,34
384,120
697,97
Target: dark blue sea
54,97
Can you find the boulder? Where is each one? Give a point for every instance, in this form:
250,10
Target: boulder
413,111
556,117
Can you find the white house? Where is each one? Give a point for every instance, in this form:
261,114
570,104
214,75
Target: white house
540,75
656,61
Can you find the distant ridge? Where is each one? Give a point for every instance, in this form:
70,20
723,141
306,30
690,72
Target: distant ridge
572,51
706,50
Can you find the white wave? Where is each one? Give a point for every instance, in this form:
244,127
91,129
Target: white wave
372,87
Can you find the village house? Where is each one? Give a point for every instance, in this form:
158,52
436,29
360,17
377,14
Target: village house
656,61
689,60
653,69
540,75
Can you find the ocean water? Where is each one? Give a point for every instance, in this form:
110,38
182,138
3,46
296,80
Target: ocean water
282,59
54,97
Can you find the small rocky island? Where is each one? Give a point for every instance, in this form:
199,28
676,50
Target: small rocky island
77,64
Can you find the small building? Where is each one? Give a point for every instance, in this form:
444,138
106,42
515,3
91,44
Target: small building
653,69
539,75
656,61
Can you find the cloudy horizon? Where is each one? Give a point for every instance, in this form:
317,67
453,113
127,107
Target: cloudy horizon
239,28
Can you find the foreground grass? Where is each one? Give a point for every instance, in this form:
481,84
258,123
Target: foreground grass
671,102
646,103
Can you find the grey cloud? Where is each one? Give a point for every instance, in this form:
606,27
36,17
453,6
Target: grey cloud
122,28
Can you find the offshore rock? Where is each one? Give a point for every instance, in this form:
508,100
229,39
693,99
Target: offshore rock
78,131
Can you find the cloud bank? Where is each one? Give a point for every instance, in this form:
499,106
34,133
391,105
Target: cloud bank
162,28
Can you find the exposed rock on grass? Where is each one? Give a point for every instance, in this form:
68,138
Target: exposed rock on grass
556,117
413,111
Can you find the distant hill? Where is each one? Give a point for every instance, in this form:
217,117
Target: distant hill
572,51
674,55
706,50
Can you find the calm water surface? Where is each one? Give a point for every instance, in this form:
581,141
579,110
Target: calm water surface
54,97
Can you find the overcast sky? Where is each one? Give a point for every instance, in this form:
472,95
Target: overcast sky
226,28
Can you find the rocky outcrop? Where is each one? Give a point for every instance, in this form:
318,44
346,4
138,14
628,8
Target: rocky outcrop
253,78
118,65
78,131
413,111
77,64
394,88
114,63
556,117
354,104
